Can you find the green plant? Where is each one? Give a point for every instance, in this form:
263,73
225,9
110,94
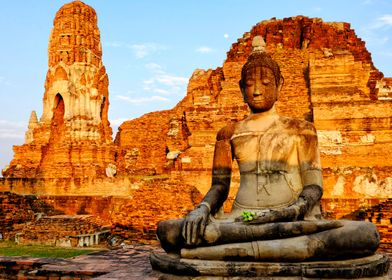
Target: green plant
248,216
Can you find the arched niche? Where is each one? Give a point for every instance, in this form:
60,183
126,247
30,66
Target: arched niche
60,74
57,123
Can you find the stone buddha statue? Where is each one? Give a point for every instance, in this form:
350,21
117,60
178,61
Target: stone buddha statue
279,193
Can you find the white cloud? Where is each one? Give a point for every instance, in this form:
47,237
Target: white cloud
117,122
14,130
155,67
383,21
374,33
171,80
139,50
161,91
5,123
317,9
139,100
3,81
148,82
115,44
163,83
386,19
9,134
204,50
145,49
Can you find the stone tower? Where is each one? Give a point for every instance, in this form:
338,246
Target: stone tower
73,137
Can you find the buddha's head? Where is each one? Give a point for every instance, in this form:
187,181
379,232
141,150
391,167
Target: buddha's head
261,79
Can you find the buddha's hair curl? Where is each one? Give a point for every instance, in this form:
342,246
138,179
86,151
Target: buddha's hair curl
264,60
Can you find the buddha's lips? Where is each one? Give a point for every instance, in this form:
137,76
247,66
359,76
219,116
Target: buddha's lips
258,100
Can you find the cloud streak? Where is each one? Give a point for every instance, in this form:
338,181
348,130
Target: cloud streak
117,122
3,81
140,100
374,33
12,130
386,20
139,50
381,22
163,83
204,50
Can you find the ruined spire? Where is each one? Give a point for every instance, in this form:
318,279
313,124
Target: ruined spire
33,121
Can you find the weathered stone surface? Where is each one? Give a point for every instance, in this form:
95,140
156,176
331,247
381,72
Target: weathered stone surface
63,231
142,146
133,214
130,262
34,220
15,210
363,268
73,137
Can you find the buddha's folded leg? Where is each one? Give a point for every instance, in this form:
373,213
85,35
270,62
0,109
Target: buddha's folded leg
223,233
353,239
289,249
169,235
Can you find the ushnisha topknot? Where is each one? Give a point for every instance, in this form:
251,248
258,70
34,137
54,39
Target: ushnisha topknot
260,57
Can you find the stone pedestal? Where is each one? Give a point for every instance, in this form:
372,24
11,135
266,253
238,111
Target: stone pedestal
174,267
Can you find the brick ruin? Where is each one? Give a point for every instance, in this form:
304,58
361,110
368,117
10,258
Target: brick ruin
162,160
330,80
73,137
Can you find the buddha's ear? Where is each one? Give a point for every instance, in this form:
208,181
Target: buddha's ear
281,82
242,88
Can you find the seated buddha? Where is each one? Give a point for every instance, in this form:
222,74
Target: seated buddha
279,193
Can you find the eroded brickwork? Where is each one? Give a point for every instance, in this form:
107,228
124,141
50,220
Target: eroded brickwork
73,137
63,230
329,78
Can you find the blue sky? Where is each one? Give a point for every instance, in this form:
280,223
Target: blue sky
151,48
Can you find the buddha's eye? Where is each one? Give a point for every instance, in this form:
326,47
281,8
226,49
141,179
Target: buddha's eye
266,81
249,82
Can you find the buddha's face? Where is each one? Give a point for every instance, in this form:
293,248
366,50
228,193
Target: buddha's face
259,89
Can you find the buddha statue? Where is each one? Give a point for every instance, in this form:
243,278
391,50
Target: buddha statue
276,213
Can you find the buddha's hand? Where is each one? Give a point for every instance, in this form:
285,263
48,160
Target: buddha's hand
195,224
287,214
267,217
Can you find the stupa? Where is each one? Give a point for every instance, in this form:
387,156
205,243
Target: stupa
73,137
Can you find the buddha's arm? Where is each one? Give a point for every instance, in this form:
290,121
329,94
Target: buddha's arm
221,175
196,220
310,195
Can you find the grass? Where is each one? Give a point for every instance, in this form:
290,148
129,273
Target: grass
11,249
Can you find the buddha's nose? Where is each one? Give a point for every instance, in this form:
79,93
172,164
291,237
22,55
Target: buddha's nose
257,90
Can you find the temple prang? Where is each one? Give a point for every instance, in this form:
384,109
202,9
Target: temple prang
73,137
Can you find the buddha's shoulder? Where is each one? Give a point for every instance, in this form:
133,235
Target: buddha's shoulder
226,132
297,125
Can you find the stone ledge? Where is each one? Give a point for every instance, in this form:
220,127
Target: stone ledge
372,267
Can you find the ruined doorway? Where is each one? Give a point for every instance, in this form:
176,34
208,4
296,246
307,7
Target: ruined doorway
57,124
57,130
